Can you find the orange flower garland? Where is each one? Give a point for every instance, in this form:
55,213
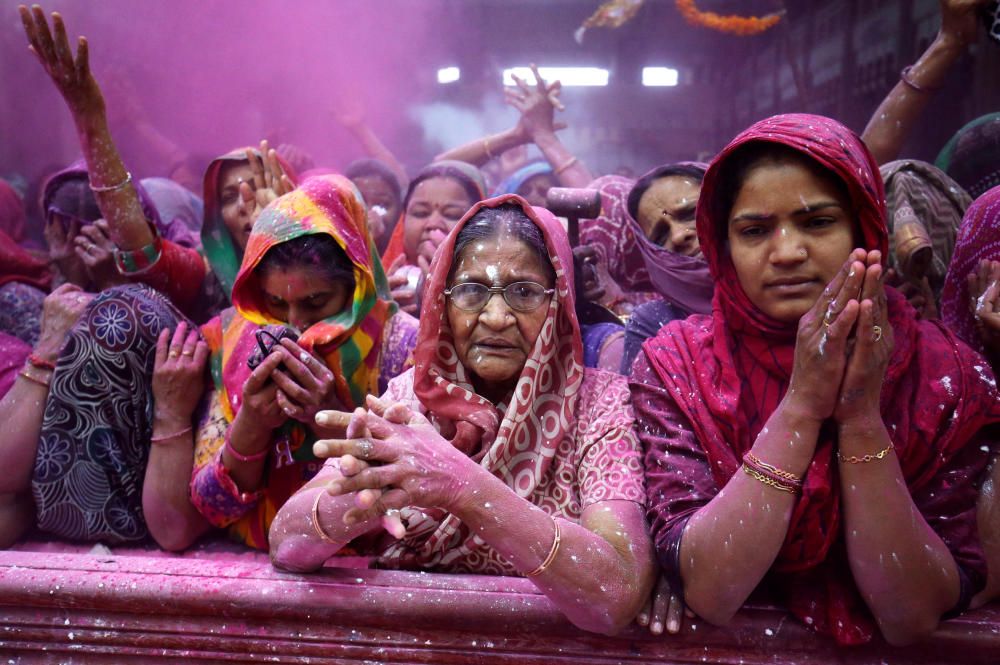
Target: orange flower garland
736,25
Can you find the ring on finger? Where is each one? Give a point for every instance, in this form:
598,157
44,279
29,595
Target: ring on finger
187,352
876,333
829,317
365,448
173,353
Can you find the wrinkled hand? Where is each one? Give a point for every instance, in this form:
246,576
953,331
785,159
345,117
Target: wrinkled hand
60,311
93,245
822,340
589,273
179,373
537,105
416,465
269,181
62,251
355,426
984,302
663,609
960,19
305,384
873,343
72,78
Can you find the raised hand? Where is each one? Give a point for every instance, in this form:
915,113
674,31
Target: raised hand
984,302
537,104
959,19
822,340
269,181
403,289
178,374
93,245
71,76
60,311
873,343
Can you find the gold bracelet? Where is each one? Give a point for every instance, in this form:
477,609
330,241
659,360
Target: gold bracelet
552,553
315,519
565,165
486,147
34,379
102,190
773,469
770,482
866,458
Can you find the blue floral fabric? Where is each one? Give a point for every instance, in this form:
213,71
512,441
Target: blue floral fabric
94,443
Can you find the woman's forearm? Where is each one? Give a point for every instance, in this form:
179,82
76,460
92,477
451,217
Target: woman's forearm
893,120
905,572
296,543
480,151
602,569
569,169
250,440
172,519
116,197
731,542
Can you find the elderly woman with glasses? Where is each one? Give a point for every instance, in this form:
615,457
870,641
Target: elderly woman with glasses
498,453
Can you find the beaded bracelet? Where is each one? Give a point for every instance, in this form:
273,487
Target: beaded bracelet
552,553
41,363
864,459
102,190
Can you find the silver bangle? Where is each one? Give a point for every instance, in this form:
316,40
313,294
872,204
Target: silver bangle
112,188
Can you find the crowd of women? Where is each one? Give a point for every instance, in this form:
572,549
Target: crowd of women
771,375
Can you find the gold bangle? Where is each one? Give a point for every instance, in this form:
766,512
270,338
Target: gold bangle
866,458
770,482
102,190
773,469
552,553
34,379
486,147
315,519
565,165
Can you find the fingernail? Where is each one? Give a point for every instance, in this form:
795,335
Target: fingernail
322,419
673,625
643,619
349,519
334,488
657,627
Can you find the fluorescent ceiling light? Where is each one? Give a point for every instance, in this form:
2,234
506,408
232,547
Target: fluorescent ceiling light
569,76
449,74
659,76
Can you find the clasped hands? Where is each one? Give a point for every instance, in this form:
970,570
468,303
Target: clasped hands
844,344
392,457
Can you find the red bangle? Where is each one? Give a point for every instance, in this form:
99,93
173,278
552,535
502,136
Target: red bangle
246,459
41,363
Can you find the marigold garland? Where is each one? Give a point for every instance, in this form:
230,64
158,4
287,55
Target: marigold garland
736,25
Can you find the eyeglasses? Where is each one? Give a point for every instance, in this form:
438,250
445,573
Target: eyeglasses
520,296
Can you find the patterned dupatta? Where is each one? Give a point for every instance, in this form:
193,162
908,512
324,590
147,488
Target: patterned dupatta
728,371
348,342
641,267
516,445
978,238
